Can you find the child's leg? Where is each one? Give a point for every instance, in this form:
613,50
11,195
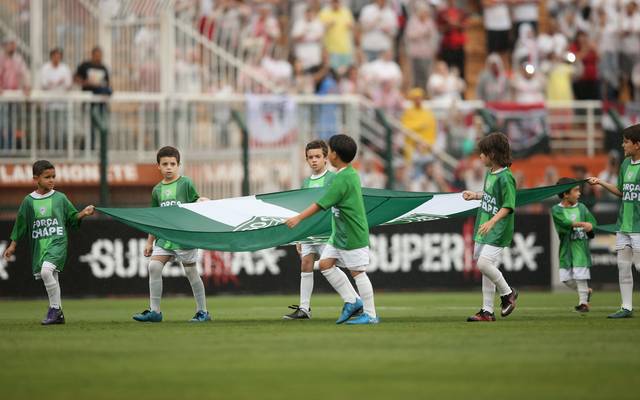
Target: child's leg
338,280
48,274
625,277
489,268
197,286
583,291
365,289
306,280
488,294
156,264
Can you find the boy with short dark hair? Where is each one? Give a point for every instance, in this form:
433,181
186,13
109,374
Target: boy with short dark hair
574,224
316,155
173,190
628,236
44,217
348,245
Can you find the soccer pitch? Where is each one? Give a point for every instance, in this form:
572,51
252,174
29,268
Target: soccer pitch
422,349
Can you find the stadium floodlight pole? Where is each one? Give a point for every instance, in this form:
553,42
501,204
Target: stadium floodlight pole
245,150
388,153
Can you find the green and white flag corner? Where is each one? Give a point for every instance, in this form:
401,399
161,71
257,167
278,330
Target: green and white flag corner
253,223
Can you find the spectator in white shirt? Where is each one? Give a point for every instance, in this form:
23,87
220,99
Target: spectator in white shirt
528,85
307,34
497,23
525,12
444,86
630,43
422,44
55,76
379,26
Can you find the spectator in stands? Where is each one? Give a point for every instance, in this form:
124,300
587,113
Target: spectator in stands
303,82
421,38
528,85
14,75
400,175
493,84
444,85
277,70
630,43
379,25
350,82
560,78
431,179
327,84
55,76
307,34
264,28
606,36
371,174
635,81
525,12
497,23
551,44
474,176
526,47
419,120
92,75
383,78
451,21
338,38
587,86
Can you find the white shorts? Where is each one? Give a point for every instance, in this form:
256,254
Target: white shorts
306,249
184,256
580,273
628,239
491,252
354,260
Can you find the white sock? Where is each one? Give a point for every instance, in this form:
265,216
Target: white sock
583,291
197,286
155,284
366,293
48,275
306,288
488,269
625,277
571,284
341,284
488,294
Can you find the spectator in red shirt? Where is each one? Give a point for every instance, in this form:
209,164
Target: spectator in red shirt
451,21
587,87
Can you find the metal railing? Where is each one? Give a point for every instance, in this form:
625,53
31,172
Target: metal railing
59,127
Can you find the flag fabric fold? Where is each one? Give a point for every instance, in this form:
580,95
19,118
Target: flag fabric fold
253,223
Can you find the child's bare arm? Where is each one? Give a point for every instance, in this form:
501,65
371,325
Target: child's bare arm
9,251
486,227
148,248
293,221
88,210
610,187
469,195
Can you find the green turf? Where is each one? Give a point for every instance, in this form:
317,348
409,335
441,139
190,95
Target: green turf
422,349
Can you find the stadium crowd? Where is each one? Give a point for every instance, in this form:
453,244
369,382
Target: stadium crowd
397,53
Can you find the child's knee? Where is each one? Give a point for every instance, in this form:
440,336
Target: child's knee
155,267
327,263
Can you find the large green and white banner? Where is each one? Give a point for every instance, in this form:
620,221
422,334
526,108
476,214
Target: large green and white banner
256,222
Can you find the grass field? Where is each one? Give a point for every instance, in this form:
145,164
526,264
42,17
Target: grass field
422,349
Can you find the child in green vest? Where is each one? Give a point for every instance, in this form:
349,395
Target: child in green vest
348,245
174,189
316,155
494,224
628,235
44,217
574,224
